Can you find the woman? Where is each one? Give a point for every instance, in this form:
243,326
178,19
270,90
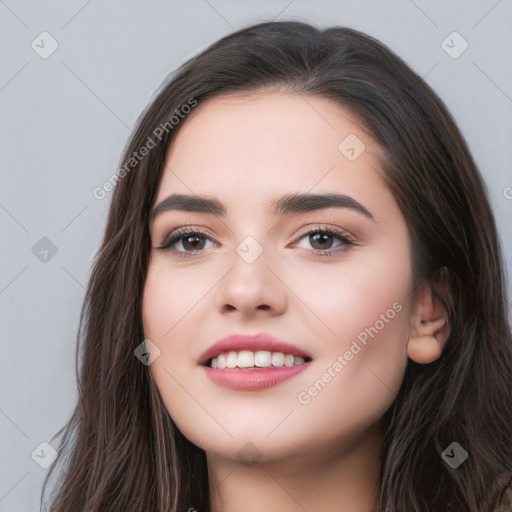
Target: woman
299,301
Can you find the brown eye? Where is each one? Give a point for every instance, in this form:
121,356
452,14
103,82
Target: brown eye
321,241
193,242
181,243
326,242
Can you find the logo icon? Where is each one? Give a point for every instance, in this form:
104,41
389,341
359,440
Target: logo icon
249,454
249,249
351,147
44,455
147,352
44,45
44,250
454,455
454,45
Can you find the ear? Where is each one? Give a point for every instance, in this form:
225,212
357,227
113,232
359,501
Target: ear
429,327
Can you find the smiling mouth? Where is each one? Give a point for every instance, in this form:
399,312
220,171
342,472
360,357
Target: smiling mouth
260,359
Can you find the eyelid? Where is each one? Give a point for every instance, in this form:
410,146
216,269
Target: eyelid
176,234
328,229
347,241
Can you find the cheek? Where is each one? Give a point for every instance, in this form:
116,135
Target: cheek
359,375
168,305
365,303
169,300
158,304
174,310
370,289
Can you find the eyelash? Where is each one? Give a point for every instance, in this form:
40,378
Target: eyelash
182,232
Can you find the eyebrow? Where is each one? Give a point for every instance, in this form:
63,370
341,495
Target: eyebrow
290,203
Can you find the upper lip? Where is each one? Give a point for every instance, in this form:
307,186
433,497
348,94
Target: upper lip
253,342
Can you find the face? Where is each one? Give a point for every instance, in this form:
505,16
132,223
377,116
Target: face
331,279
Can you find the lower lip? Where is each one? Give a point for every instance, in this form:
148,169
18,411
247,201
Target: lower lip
253,379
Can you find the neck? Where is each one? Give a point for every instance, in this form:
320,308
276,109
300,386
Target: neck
345,480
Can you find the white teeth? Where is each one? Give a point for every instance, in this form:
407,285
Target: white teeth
231,360
289,360
258,359
245,359
277,359
262,359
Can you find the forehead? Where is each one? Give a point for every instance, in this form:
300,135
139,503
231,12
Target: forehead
262,145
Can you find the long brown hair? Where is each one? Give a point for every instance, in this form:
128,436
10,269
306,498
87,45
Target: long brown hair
121,449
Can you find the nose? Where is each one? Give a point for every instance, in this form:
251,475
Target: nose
251,289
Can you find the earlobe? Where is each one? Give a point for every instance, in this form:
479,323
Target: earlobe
429,328
424,349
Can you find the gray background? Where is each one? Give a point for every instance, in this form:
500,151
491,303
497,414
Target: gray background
65,120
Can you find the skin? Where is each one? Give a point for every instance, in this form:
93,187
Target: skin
245,150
